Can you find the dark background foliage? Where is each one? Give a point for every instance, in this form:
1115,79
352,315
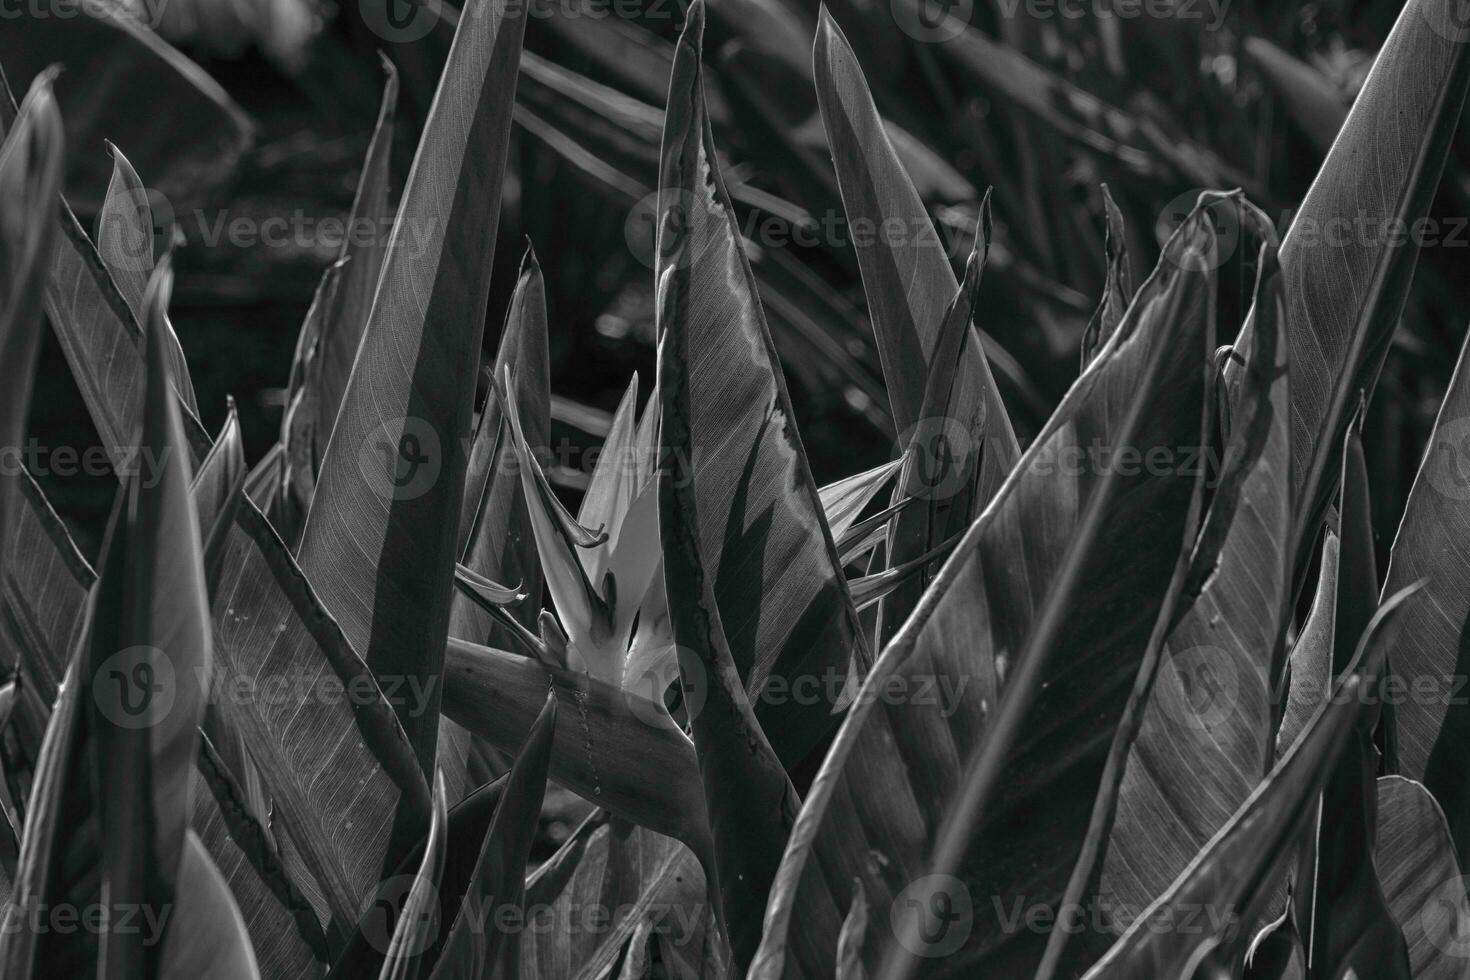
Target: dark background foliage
310,106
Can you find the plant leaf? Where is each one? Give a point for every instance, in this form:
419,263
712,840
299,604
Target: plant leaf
476,943
1205,739
1233,876
150,666
207,935
1432,725
614,748
379,543
637,876
950,703
30,177
1117,283
125,233
907,283
1421,878
761,535
1345,292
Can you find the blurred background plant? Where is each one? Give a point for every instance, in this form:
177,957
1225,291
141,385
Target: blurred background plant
1045,102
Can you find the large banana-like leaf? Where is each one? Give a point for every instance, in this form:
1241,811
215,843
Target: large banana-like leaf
1009,696
495,538
1433,724
1350,928
30,180
125,233
1206,736
653,891
380,540
1347,273
1421,879
333,328
150,667
44,594
909,282
143,670
477,942
773,568
207,936
287,936
614,747
750,799
1230,881
43,611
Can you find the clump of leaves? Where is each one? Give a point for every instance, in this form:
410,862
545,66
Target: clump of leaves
1062,716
